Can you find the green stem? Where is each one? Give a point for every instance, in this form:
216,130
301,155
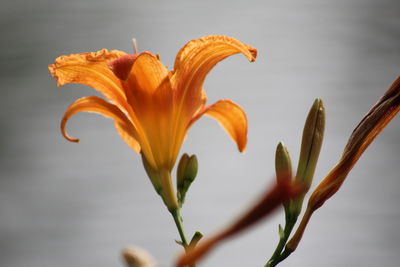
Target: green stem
179,224
277,256
283,256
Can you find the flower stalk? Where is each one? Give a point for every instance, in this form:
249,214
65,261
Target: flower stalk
179,225
366,131
271,199
313,133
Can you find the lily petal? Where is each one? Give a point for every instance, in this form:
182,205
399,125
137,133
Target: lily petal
150,95
91,69
197,58
146,85
147,73
122,66
98,105
231,117
127,133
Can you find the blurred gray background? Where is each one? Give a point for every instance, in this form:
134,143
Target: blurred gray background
65,204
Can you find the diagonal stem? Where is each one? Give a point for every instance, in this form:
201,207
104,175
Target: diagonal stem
179,224
277,256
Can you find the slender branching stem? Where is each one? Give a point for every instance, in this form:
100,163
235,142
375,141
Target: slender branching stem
179,225
277,256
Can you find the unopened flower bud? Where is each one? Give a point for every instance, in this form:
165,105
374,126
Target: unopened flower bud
180,172
191,168
186,173
283,163
313,135
387,107
311,143
137,257
283,168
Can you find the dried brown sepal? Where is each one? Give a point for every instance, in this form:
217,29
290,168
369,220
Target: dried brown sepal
281,192
370,126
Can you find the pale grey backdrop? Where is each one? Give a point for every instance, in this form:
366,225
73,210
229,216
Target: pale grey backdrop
63,204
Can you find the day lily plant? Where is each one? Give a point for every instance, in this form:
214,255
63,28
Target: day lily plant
153,109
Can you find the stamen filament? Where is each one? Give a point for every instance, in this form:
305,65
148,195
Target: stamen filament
134,45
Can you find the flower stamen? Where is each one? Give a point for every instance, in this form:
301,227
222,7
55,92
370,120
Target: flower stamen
135,49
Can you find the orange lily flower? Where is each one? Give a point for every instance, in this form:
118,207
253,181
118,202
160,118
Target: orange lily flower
153,108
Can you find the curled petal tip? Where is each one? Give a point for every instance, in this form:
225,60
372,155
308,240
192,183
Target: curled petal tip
253,52
242,146
66,136
71,139
232,118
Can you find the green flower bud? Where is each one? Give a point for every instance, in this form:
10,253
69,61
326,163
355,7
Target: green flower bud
186,173
313,135
283,167
180,172
283,164
191,168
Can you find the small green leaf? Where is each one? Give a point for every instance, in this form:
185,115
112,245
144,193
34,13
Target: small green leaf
281,233
179,243
195,239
